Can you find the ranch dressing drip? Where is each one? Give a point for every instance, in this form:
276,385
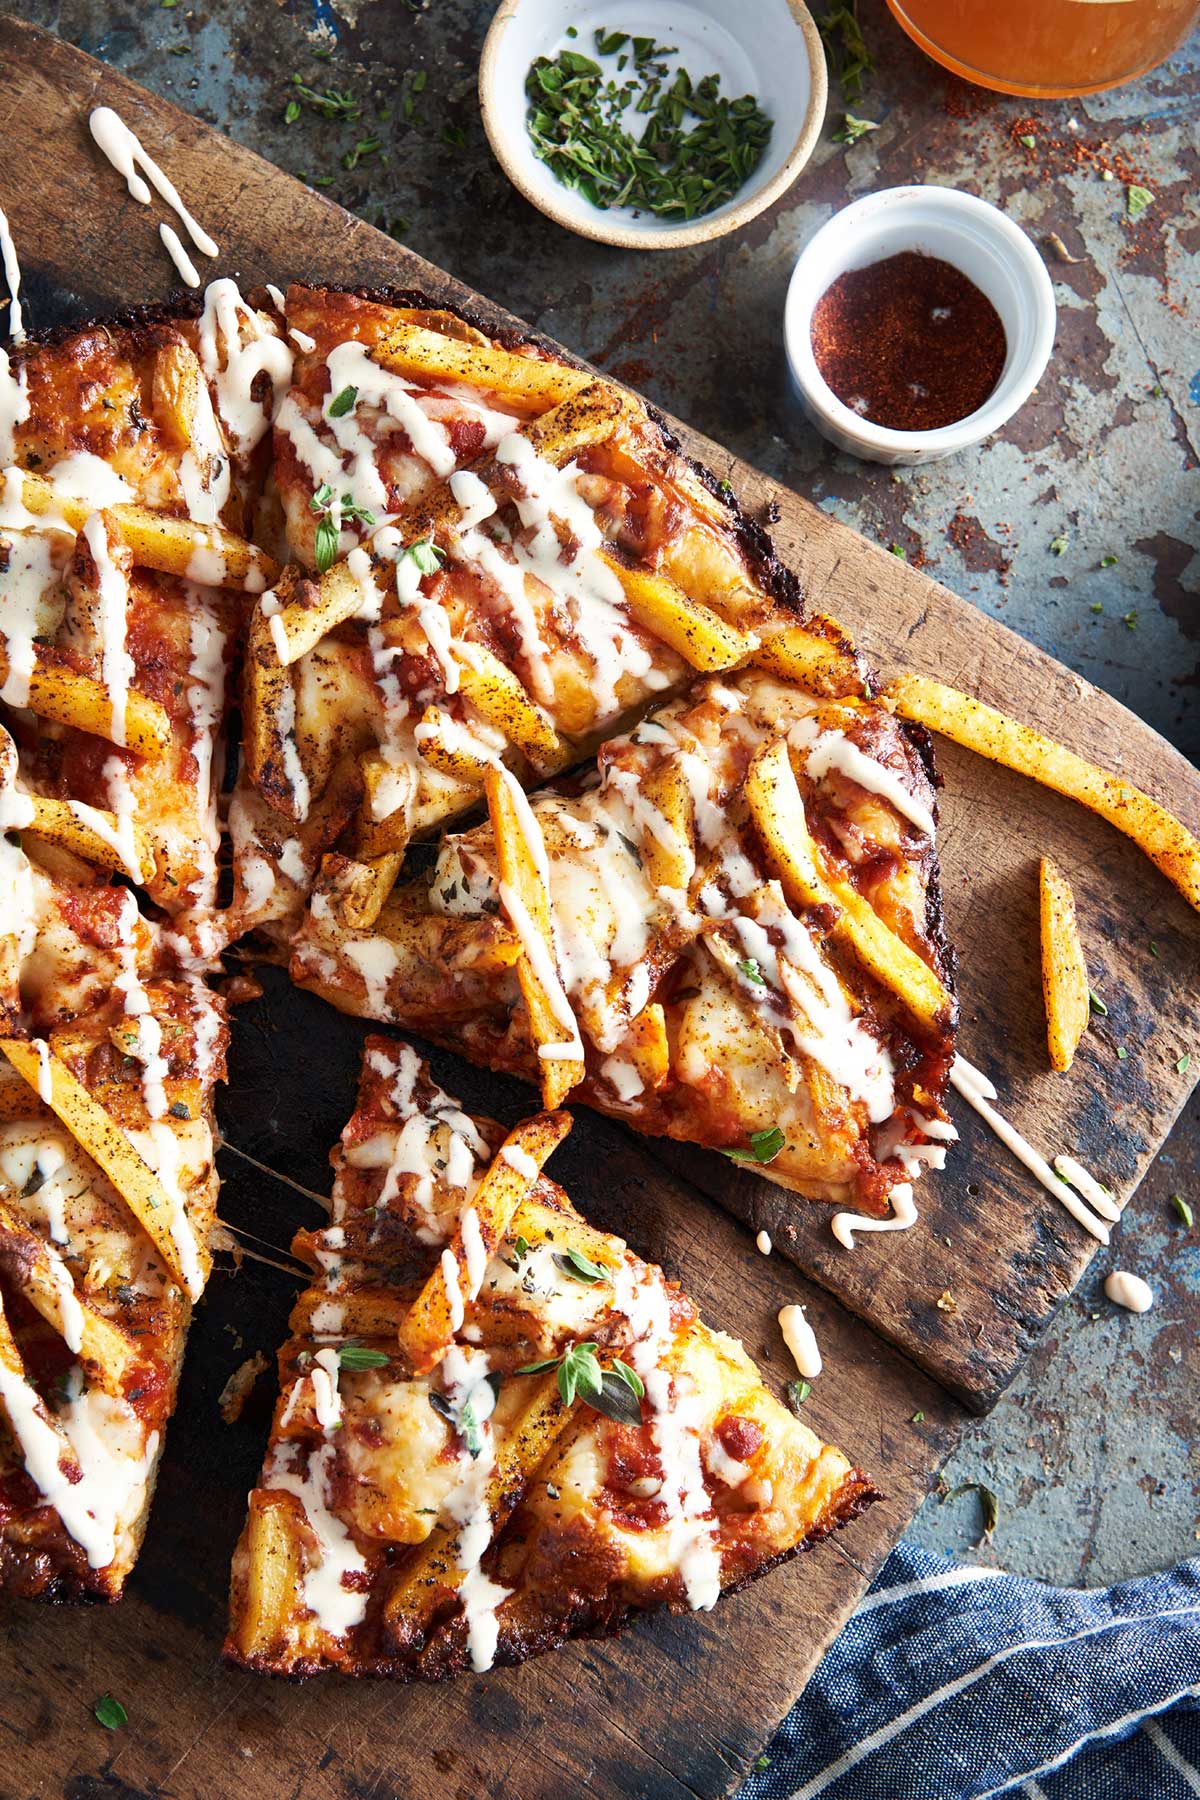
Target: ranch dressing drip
126,154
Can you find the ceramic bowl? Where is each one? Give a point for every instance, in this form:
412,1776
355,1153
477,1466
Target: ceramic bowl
977,239
768,48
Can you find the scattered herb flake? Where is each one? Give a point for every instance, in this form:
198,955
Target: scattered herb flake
845,47
1129,620
796,1393
1109,561
1096,1003
1183,1209
455,137
852,128
424,555
988,1502
1137,199
1184,1063
752,972
108,1711
899,550
578,1266
357,1356
1153,948
1058,545
1028,139
1097,606
760,1763
331,104
364,148
918,1418
341,404
765,1146
1122,1053
291,112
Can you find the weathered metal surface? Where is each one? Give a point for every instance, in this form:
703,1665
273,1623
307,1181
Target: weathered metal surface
1090,1453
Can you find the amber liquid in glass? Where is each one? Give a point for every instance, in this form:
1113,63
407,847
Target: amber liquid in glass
1047,46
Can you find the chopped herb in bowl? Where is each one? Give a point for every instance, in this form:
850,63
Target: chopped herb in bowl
694,151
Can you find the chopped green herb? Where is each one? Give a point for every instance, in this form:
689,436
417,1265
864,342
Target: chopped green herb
364,148
1096,1003
1097,606
851,129
1153,948
109,1712
332,515
752,972
579,1372
764,1146
357,1356
332,104
1107,562
1129,620
918,1418
899,550
419,81
424,555
1028,140
1183,1209
760,1763
572,32
615,1392
796,1393
521,1247
1184,1063
340,406
455,136
1058,545
1122,1053
291,112
576,126
579,1267
1137,199
987,1500
609,42
848,55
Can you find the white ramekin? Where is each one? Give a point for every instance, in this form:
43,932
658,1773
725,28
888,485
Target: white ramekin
960,229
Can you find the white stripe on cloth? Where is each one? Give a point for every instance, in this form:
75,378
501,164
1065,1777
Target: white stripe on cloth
961,1683
1033,1790
928,1584
1169,1753
1106,1731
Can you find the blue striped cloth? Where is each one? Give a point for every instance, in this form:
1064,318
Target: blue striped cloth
956,1683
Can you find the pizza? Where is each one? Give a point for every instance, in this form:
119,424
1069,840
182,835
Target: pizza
726,932
498,1428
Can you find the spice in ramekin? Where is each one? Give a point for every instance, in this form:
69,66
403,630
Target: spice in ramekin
908,343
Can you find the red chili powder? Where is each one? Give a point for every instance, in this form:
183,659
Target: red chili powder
909,342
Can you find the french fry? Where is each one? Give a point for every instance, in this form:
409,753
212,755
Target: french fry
778,813
62,694
438,740
429,1327
694,631
585,418
433,1574
205,553
495,692
13,1362
523,382
108,1146
1168,843
669,863
29,1264
364,895
299,625
17,1100
93,834
1064,971
805,656
274,1573
273,760
525,897
649,1046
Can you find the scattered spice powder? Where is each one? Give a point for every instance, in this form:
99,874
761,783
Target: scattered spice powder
909,343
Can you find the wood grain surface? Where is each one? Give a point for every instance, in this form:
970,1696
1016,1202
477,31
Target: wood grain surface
679,1707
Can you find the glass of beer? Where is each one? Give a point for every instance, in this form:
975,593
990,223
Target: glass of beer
1047,47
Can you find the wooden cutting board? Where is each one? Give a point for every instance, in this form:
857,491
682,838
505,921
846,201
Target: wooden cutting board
679,1707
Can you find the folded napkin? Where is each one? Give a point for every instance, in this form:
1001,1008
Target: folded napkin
957,1683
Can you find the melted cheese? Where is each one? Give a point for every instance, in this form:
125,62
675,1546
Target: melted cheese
336,1608
237,346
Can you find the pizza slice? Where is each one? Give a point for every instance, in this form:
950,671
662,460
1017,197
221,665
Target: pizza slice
128,477
498,1428
506,559
729,933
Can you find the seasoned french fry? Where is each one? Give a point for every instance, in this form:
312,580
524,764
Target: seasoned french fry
299,625
523,382
205,553
438,740
820,664
63,694
29,1263
778,813
495,692
1168,843
108,1146
525,897
273,759
667,863
429,1327
585,418
13,1363
1064,971
649,1046
274,1573
93,834
363,897
694,631
433,1574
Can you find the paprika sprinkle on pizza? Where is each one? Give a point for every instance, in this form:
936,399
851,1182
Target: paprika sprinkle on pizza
909,343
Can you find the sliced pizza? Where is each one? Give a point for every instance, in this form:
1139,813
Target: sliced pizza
498,1428
504,560
730,934
129,468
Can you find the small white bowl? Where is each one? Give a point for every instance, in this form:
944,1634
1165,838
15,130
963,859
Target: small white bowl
768,48
978,240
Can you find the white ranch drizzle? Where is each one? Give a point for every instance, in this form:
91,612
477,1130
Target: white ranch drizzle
70,1311
1088,1186
966,1081
327,1401
206,703
147,1047
34,570
126,154
84,476
12,275
112,601
540,958
235,349
474,1250
903,1216
121,804
188,271
834,750
45,1080
454,1293
801,1340
336,1608
1129,1291
763,1243
161,1150
479,1596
